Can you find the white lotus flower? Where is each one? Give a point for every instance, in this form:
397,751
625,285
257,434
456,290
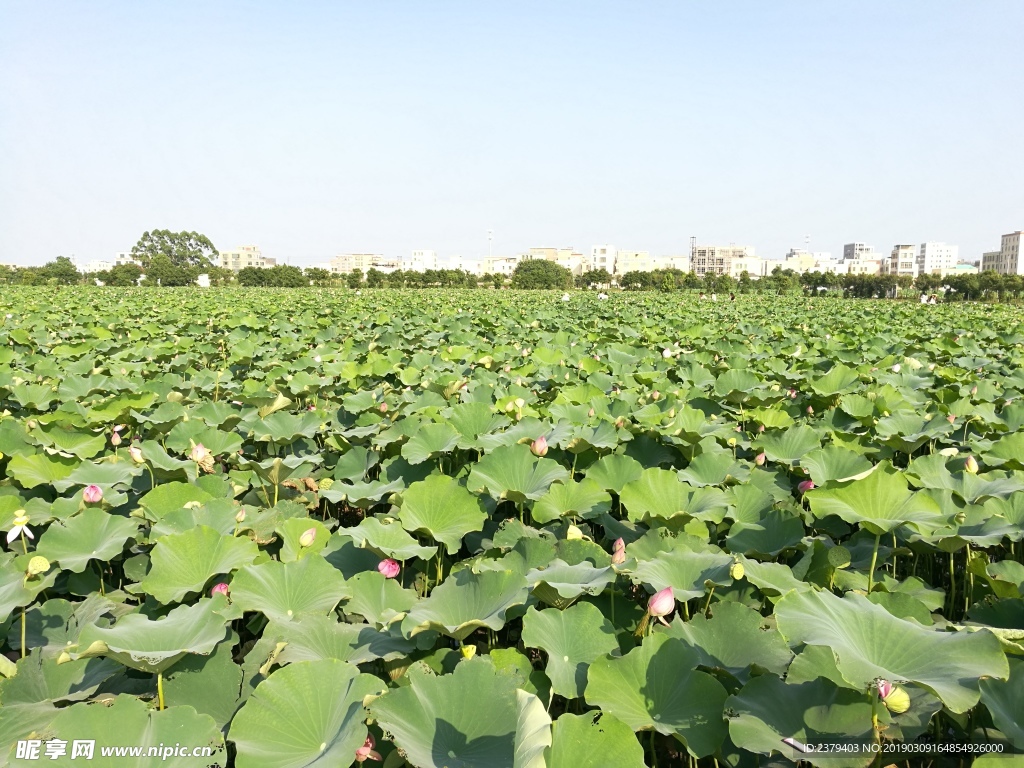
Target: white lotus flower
20,527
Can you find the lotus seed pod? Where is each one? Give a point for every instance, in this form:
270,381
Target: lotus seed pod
37,565
92,494
839,557
736,571
326,483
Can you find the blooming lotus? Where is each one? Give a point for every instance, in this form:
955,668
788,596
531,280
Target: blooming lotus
389,568
219,589
383,408
92,494
307,538
896,368
539,447
20,527
367,752
666,353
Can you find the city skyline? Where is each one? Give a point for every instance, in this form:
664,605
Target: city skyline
327,129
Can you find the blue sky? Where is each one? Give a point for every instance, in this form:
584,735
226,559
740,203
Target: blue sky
317,128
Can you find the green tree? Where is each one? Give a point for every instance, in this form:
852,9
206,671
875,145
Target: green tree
60,271
123,275
182,249
220,276
498,280
319,276
540,274
164,272
354,279
252,277
745,284
374,278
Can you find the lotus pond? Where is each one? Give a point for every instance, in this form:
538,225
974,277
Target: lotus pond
481,529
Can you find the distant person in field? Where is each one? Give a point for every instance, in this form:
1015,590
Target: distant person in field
702,296
714,297
924,298
732,297
933,299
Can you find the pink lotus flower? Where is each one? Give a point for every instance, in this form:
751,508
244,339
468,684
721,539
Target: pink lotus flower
805,486
885,688
951,418
199,453
792,394
810,410
367,751
219,589
383,408
619,552
92,494
760,459
115,439
539,447
662,603
971,465
760,429
389,568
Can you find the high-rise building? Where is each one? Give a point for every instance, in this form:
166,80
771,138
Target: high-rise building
603,257
243,256
937,259
717,259
1008,259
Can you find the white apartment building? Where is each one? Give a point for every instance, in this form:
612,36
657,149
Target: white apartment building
603,257
421,261
472,266
569,258
501,265
682,263
749,264
717,259
937,259
861,259
902,261
349,262
102,265
633,261
243,256
1008,259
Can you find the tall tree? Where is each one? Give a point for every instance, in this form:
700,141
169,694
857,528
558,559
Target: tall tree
540,273
183,249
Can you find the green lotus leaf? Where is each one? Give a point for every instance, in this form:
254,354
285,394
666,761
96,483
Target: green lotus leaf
586,499
839,379
283,591
833,464
736,639
41,678
291,532
736,384
211,685
767,710
772,579
594,740
573,639
39,469
871,643
441,507
378,599
560,584
65,438
283,428
185,562
388,538
170,497
791,445
472,420
657,685
776,531
512,472
306,713
153,645
313,637
466,601
53,625
879,503
660,493
614,471
1007,451
430,441
690,574
1004,700
713,468
105,474
92,534
15,590
128,721
473,717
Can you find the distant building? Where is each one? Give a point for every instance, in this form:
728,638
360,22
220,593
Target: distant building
472,266
801,261
421,261
937,259
633,261
501,265
680,262
1008,259
569,258
901,262
717,259
767,266
862,259
603,257
349,262
244,256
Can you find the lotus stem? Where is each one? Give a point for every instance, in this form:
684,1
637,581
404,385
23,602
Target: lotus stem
160,689
23,631
152,478
874,560
707,605
99,572
952,586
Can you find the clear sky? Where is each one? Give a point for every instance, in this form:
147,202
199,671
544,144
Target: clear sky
318,128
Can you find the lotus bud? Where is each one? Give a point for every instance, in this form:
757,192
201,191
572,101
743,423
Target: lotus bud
896,368
115,439
792,394
666,353
931,366
507,369
805,486
662,603
810,410
520,403
219,589
240,517
367,751
37,565
590,413
655,395
760,429
383,408
619,552
951,418
307,538
974,390
619,423
136,454
201,455
971,465
574,533
92,494
539,447
760,459
389,568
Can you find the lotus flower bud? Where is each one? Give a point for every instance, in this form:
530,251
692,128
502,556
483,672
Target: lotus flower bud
662,603
896,699
951,418
507,369
760,459
389,568
618,552
240,517
805,486
37,565
307,538
792,394
655,395
92,494
590,413
760,429
539,447
896,368
666,353
219,589
974,390
367,751
574,533
971,465
115,439
136,454
810,410
520,403
383,408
